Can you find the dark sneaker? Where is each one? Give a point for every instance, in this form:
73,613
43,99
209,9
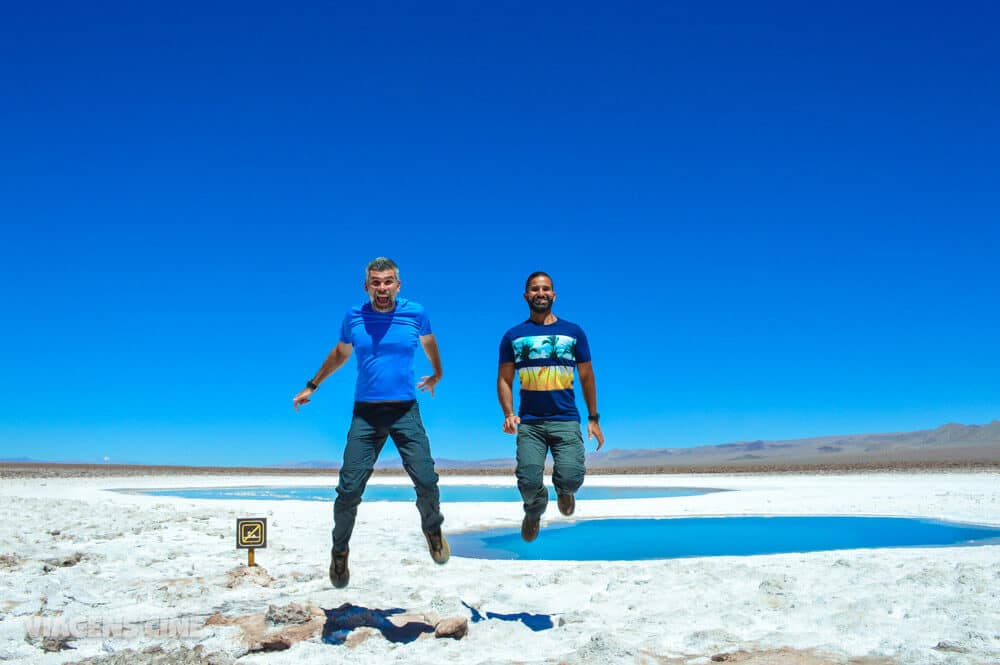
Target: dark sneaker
529,528
567,504
438,545
339,573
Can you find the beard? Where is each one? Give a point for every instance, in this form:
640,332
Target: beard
540,305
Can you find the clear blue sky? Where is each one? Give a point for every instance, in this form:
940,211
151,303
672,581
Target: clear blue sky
774,220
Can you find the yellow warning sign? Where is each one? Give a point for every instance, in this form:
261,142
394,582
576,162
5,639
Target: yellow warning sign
251,532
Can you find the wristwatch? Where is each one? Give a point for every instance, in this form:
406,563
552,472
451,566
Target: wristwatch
595,417
311,385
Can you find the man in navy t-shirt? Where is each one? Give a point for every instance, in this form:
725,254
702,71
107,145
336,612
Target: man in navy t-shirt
544,351
383,334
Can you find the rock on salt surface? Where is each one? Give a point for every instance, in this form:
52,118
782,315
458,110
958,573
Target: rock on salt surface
147,559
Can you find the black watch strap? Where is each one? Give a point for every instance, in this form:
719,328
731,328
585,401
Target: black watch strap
311,385
595,417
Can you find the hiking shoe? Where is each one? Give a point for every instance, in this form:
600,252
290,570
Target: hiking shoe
438,546
339,573
529,528
567,504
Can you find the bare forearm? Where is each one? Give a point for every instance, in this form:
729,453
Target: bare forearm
435,361
333,362
505,388
589,386
505,394
429,343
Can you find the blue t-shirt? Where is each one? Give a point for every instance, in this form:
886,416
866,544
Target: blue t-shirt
545,357
384,344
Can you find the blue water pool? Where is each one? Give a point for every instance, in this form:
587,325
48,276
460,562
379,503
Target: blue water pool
632,539
449,493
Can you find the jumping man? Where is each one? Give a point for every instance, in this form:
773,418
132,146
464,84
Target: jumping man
384,332
545,350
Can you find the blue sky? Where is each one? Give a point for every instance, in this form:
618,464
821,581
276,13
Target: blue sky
773,220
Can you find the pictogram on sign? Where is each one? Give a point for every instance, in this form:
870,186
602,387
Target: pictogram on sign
251,532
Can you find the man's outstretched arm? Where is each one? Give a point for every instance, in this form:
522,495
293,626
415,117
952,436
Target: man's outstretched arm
429,342
334,360
589,386
505,393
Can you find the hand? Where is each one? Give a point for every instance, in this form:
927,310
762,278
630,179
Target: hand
510,423
594,429
302,398
428,383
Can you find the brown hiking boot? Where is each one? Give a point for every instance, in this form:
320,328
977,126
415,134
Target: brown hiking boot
438,546
567,504
529,528
339,573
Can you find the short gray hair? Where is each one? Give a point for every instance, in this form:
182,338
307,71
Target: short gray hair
380,263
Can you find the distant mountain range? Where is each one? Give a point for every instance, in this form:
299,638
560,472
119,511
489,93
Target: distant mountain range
951,443
948,443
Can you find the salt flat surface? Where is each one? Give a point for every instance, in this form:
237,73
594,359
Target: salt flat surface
148,557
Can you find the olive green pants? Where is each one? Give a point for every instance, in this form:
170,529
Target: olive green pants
534,441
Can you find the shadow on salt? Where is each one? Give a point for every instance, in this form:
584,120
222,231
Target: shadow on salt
536,622
397,625
344,619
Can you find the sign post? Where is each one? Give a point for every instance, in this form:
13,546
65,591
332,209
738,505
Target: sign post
251,533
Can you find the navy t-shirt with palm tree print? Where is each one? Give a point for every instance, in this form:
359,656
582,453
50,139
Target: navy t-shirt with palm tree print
545,357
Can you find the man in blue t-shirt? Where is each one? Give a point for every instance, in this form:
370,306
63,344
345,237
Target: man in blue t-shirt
383,334
544,351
